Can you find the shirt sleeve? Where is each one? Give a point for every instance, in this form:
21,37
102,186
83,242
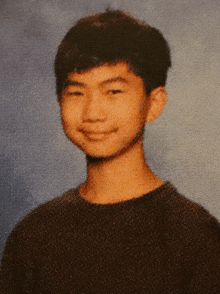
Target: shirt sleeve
206,274
17,270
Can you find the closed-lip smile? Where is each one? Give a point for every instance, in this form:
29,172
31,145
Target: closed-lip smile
94,135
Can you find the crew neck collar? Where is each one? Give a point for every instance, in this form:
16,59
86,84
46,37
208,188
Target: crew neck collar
166,186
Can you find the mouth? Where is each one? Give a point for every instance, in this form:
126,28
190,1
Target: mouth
96,136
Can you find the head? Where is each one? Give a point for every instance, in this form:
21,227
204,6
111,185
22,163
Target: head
110,75
109,38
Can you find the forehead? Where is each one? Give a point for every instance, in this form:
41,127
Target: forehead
105,74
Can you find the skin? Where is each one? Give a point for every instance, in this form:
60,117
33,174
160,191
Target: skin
103,112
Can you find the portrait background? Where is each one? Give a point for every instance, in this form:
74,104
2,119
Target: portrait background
38,163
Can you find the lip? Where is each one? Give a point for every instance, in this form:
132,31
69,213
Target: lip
97,136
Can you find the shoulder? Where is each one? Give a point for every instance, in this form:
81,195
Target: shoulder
46,219
195,237
54,207
176,205
186,219
190,238
35,234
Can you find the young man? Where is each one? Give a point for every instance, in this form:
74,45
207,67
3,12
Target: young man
124,230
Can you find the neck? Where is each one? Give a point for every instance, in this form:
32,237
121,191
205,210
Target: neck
119,178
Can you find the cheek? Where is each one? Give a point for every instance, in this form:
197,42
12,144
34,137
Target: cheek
133,114
69,114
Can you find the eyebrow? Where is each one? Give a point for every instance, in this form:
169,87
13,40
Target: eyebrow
112,80
74,83
103,83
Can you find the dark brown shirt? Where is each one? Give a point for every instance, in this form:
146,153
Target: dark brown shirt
160,242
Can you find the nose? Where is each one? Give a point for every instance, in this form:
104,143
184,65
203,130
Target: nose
94,109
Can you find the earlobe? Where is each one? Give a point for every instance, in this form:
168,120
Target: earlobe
157,102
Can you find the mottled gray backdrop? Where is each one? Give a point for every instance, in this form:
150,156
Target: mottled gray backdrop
38,163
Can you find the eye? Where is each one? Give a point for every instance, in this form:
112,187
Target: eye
75,93
114,91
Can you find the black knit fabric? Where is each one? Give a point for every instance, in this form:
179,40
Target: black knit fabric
158,243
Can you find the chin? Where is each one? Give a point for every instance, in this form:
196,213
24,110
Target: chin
100,155
99,151
104,156
94,157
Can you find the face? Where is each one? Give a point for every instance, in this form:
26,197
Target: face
104,110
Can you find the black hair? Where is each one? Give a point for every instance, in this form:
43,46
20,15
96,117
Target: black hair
108,38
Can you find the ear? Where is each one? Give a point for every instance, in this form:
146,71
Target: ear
157,101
